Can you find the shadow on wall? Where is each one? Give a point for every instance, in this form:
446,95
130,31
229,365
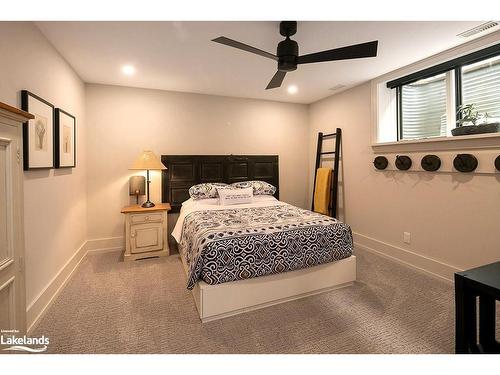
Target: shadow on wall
63,171
458,179
419,176
45,173
36,174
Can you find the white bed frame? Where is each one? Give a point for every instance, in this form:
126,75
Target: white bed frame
235,297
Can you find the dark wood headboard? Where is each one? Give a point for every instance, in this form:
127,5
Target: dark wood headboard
184,171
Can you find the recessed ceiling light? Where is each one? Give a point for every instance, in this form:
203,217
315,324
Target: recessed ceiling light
128,70
292,89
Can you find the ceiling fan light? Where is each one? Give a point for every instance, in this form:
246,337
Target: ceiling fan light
287,53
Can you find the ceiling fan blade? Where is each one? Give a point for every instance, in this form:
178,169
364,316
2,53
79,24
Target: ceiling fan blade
244,47
355,51
276,80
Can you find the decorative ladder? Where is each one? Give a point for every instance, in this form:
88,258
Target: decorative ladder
335,176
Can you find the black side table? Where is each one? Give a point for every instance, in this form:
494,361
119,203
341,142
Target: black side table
482,282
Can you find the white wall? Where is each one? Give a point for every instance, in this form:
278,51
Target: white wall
121,122
54,200
453,218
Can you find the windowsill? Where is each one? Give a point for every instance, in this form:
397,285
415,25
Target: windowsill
474,141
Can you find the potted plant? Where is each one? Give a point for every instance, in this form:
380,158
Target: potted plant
473,122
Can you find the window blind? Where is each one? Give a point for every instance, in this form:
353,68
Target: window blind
481,86
424,108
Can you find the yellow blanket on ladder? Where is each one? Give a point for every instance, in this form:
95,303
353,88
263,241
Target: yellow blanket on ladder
322,190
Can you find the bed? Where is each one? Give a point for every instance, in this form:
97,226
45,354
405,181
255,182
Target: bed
247,256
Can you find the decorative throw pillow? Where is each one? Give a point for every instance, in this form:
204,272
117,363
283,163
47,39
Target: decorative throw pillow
259,187
205,191
228,196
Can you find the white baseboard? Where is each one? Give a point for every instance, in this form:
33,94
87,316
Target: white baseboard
47,296
419,262
37,308
104,245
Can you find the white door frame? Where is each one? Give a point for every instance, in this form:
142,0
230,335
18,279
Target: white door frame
12,275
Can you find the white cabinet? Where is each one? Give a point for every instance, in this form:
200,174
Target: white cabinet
146,237
12,285
145,231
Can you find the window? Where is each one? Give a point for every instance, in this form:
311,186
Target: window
481,86
428,100
423,108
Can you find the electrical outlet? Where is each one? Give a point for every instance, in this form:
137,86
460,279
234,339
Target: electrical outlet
406,237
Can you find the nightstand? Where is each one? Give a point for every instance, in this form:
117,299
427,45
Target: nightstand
482,282
146,231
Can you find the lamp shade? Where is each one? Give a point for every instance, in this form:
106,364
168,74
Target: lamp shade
147,161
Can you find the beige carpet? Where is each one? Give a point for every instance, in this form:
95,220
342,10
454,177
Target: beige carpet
143,307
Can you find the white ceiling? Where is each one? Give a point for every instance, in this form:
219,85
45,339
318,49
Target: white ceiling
179,56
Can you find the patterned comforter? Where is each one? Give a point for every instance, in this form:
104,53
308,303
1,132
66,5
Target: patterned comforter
241,243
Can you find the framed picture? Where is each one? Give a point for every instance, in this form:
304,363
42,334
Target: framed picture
38,133
65,139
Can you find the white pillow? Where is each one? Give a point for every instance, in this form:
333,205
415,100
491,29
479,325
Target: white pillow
235,196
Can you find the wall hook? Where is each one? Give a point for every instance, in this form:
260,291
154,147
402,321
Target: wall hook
403,162
430,163
380,162
465,162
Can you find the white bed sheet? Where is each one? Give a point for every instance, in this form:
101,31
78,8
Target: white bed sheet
191,205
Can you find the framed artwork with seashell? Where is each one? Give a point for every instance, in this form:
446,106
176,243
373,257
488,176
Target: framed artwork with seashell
65,139
38,133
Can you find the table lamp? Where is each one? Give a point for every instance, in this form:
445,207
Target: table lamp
147,161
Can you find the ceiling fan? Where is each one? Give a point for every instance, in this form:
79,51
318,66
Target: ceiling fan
287,54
